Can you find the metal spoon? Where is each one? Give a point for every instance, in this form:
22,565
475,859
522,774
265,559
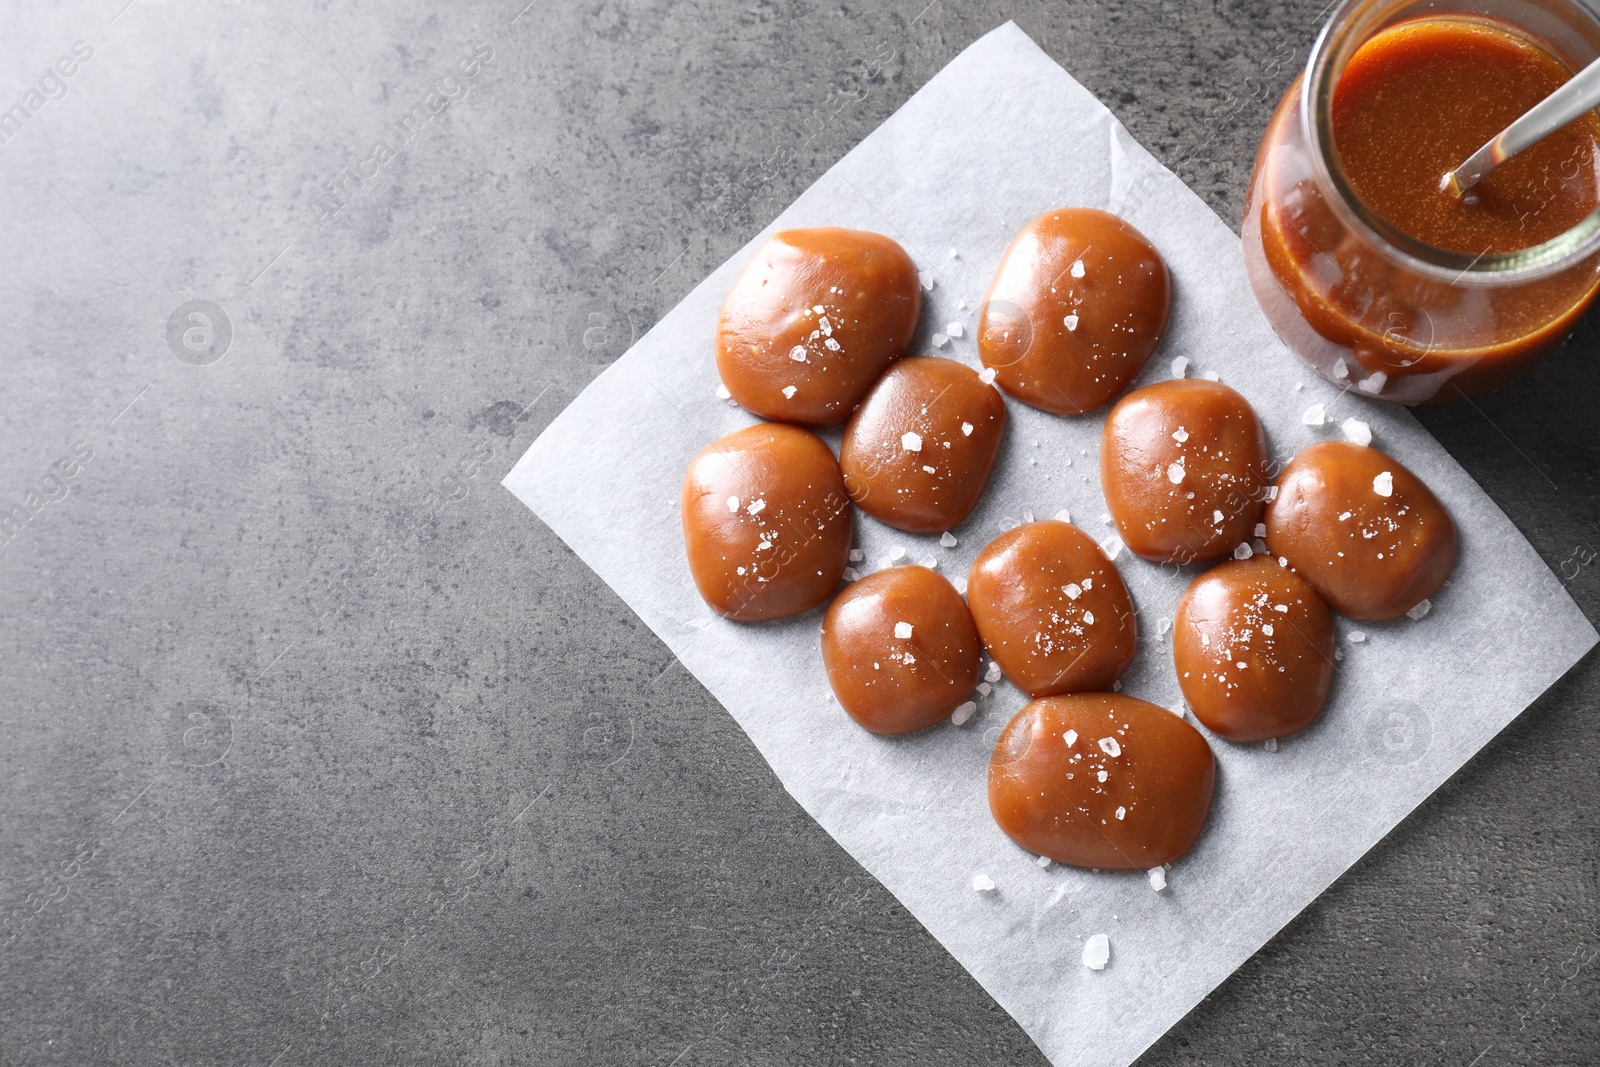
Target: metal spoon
1575,97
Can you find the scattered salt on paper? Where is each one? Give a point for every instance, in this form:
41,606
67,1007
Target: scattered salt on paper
1112,547
929,562
1356,431
1270,744
1097,952
1373,385
1357,637
856,555
955,329
1042,861
926,278
960,584
993,673
1315,415
948,540
940,340
983,883
986,375
722,392
897,553
962,713
1180,366
1158,878
1419,609
1063,516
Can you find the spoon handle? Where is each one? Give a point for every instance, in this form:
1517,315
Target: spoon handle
1580,94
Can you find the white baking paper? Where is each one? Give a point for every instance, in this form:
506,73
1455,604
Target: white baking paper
999,136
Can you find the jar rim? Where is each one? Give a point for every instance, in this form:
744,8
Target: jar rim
1560,252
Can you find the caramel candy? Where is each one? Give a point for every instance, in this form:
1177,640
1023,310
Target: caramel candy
1253,647
918,451
767,523
1077,306
1183,464
1052,610
814,320
900,650
1362,529
1101,780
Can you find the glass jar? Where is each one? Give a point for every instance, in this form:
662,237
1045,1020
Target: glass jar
1364,303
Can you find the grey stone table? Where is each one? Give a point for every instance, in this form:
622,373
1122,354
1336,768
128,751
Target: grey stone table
317,748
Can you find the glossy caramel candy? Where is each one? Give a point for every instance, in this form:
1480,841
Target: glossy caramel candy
1052,609
1253,647
1183,464
918,451
817,316
766,522
1101,780
1078,304
900,650
1362,529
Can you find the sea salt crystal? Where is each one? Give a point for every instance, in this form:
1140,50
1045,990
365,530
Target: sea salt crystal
928,470
928,562
961,585
961,305
851,574
733,503
1270,744
1158,878
756,507
1383,484
955,329
788,392
1070,322
1315,415
1077,268
1163,625
954,253
1419,609
1373,385
993,673
926,278
963,713
902,630
798,353
1122,813
1073,590
1356,431
1180,435
1211,376
986,376
1063,516
940,340
1244,551
1110,746
897,553
911,442
983,883
856,555
1070,737
984,689
1261,529
1042,861
1180,366
1175,473
948,540
1266,628
1112,547
1097,952
1088,618
1357,637
1101,776
966,429
1341,369
722,392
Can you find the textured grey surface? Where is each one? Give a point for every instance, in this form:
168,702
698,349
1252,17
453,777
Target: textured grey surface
317,747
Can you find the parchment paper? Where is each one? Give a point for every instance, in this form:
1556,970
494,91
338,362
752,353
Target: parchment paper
1000,135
